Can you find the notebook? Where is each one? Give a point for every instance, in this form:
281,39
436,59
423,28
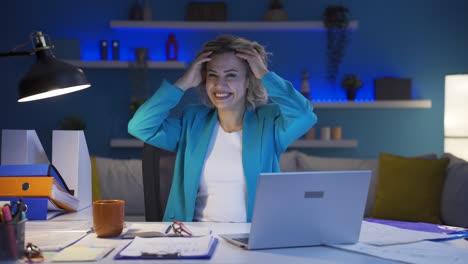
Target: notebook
293,209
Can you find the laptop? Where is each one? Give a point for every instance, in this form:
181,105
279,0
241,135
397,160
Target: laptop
295,209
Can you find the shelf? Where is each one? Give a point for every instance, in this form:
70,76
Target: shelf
127,64
349,143
375,104
307,143
223,25
126,143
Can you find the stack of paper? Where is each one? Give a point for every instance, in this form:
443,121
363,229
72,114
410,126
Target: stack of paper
405,245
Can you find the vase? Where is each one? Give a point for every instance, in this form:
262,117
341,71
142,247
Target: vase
351,94
136,11
276,15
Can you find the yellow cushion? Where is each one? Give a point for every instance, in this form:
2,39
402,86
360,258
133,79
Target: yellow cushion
409,189
96,190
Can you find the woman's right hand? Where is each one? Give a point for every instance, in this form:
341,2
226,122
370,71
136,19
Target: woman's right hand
192,76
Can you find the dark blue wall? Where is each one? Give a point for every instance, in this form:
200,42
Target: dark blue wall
420,39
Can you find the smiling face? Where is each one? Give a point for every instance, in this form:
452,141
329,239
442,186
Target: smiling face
226,81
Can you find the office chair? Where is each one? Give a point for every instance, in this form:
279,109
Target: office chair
158,168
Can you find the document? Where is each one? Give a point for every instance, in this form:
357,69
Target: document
55,235
170,247
81,253
382,235
54,240
424,252
160,230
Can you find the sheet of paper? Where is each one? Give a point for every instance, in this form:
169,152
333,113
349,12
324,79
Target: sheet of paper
58,225
424,252
381,235
184,246
81,253
53,240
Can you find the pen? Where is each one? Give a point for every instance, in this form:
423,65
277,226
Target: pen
168,229
10,230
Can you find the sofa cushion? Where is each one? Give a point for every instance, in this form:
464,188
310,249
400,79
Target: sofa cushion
454,208
313,163
122,179
288,161
409,189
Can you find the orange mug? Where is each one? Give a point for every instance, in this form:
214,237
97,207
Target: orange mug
108,217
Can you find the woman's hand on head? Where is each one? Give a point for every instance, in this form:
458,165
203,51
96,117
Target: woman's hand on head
254,60
193,75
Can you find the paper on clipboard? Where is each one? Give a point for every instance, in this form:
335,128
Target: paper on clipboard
175,247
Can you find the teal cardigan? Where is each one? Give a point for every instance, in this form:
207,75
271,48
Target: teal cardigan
266,133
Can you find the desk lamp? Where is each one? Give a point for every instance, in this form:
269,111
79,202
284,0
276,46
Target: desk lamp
48,77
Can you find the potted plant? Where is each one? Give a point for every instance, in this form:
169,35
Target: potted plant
276,12
72,123
351,83
336,22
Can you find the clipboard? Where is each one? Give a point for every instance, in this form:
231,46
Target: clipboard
208,255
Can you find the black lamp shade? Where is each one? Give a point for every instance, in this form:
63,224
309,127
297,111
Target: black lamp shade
50,77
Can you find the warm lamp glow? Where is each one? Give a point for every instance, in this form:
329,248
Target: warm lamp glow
53,93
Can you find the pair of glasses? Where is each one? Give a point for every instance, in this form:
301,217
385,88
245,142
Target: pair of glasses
33,253
180,229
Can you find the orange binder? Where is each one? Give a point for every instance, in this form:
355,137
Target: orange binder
38,186
27,186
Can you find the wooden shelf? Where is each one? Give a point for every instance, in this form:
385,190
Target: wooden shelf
349,143
127,64
375,104
308,143
223,25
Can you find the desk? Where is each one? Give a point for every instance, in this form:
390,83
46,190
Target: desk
228,253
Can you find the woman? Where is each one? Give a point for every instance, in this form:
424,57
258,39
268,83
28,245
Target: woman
222,146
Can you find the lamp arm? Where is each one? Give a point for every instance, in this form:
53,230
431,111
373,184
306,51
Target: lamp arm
16,53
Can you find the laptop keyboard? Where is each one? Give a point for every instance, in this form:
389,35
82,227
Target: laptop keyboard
244,240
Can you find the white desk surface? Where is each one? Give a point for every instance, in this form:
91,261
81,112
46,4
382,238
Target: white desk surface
228,253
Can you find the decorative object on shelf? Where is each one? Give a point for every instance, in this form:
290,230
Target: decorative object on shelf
72,123
172,48
148,11
305,88
141,55
336,22
136,11
276,12
115,49
206,11
389,88
310,133
139,78
351,83
325,133
103,48
336,133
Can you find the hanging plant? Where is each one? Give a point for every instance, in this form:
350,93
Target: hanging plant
336,22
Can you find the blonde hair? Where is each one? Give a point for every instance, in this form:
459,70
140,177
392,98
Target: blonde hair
256,94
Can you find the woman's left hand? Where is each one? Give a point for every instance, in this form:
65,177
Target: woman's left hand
255,61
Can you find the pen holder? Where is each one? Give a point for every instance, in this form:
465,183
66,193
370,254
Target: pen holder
12,240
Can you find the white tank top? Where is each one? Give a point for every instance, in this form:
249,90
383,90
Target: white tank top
222,194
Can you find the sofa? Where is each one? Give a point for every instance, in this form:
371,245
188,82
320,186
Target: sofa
123,179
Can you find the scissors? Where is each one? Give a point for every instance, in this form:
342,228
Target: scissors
17,210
